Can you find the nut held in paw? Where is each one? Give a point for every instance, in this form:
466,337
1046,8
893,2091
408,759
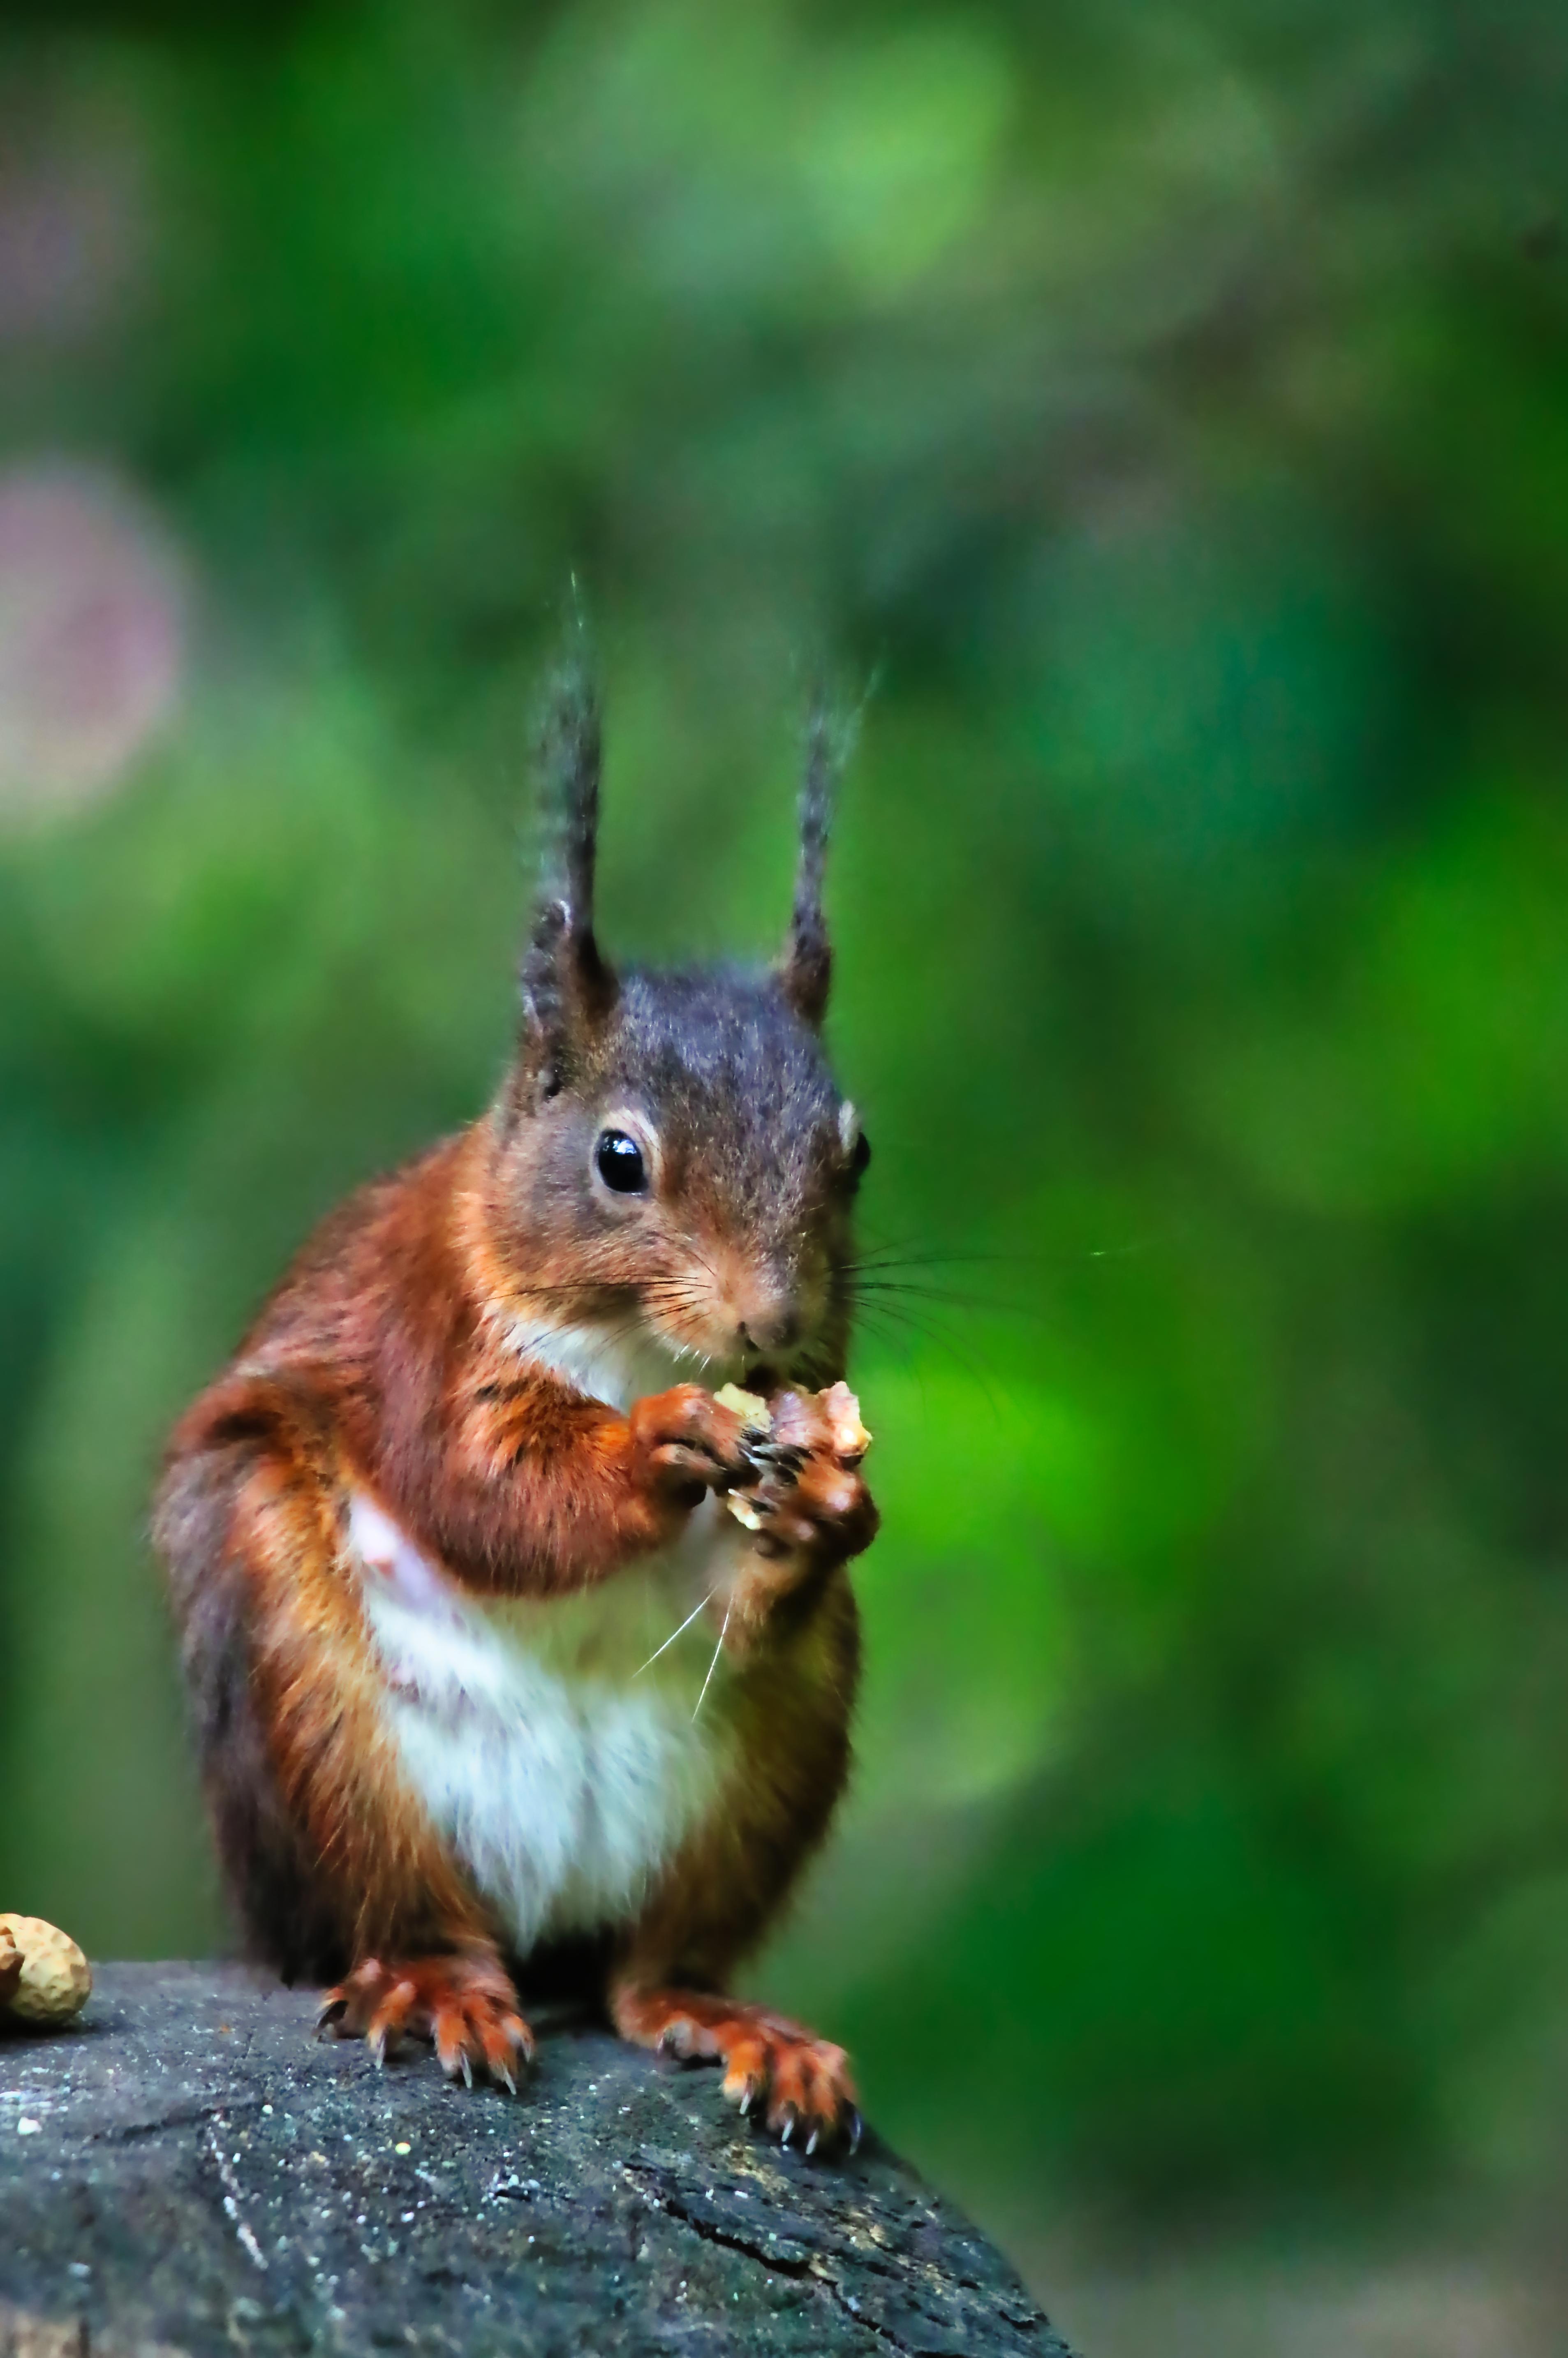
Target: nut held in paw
837,1407
752,1411
850,1439
53,1980
750,1406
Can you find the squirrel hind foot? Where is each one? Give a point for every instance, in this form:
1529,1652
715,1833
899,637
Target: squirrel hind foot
774,2070
465,2005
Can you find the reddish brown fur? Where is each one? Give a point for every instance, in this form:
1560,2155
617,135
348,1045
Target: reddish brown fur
379,1364
387,1326
393,1362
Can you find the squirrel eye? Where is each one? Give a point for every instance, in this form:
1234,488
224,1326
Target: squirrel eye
619,1162
861,1155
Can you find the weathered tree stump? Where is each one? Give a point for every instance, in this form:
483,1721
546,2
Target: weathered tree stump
188,2171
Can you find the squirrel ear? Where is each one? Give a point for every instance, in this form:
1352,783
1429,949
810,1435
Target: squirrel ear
807,966
566,985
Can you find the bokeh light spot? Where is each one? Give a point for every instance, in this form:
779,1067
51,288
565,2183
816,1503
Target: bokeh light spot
92,637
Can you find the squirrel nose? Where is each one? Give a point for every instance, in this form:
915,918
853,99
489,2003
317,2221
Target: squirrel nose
777,1328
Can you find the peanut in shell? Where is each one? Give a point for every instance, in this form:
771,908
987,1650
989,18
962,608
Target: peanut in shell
52,1980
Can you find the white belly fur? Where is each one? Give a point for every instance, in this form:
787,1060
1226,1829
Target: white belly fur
562,1762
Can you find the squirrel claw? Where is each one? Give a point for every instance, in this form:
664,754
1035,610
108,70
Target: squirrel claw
777,2074
463,2004
785,1457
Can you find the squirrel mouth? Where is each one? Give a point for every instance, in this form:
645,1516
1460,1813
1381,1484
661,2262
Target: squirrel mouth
760,1377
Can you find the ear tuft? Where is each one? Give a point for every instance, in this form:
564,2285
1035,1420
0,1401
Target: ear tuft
807,967
565,985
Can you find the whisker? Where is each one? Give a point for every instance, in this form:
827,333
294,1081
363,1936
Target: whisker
892,1254
713,1665
899,1315
864,1288
669,1641
885,1257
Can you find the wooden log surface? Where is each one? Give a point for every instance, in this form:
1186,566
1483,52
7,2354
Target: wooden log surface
188,2171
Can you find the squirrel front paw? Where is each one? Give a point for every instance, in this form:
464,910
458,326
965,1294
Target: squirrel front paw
685,1442
808,1508
823,1512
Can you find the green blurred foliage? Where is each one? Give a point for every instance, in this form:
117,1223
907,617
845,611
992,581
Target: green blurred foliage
1170,405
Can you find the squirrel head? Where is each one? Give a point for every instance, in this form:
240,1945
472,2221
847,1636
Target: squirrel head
673,1159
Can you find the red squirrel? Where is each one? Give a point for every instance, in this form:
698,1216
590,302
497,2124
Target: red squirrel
487,1687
